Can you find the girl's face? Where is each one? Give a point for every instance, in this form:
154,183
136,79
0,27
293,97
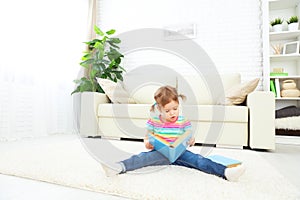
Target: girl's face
170,111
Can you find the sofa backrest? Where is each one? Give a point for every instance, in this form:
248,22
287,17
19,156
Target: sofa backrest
206,90
199,90
142,83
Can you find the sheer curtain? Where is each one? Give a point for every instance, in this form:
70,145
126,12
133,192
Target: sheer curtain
41,43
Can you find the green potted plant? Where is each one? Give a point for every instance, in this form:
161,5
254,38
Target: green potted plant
101,60
277,24
293,23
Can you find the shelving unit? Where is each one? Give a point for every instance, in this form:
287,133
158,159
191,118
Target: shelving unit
284,35
289,62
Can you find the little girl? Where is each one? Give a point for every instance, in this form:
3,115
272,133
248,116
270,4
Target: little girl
169,125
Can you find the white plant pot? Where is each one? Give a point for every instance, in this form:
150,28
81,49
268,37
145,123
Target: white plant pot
293,26
85,106
277,28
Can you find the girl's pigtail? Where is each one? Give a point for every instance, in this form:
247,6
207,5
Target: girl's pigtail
182,97
153,107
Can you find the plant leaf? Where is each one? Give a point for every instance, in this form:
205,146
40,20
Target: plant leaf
98,30
93,73
115,40
86,56
113,54
110,32
76,90
122,68
113,45
87,63
103,67
98,88
86,85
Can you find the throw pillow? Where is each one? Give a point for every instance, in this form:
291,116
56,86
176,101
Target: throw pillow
115,91
237,94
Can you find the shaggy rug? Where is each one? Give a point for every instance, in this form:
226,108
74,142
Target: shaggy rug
63,159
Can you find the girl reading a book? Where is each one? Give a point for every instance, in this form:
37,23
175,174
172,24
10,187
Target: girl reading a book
169,125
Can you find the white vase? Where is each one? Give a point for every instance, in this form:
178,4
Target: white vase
85,105
277,28
293,26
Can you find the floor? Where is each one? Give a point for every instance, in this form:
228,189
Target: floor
286,159
15,188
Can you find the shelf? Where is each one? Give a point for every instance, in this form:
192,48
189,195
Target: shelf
284,35
285,57
288,98
283,4
289,62
285,77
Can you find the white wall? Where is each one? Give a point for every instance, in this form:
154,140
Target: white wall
228,30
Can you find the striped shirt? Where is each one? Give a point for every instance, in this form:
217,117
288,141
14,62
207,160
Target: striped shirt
168,131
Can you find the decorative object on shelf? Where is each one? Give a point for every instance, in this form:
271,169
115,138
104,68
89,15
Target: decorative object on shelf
289,89
272,87
278,72
277,88
277,24
288,84
291,48
277,49
293,23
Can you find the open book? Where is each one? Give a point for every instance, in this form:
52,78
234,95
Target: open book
228,162
170,150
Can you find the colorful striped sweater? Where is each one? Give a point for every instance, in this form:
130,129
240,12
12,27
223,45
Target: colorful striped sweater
168,131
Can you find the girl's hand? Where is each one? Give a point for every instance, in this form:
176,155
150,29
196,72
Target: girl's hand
148,145
192,142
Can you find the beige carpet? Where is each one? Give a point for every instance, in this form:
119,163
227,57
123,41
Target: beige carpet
62,159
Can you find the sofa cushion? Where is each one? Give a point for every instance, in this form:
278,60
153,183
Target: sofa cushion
115,91
142,82
198,92
192,112
238,93
216,113
124,110
145,93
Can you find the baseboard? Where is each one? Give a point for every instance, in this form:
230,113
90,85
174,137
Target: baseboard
294,140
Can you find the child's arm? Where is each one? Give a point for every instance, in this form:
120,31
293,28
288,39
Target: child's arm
192,141
147,143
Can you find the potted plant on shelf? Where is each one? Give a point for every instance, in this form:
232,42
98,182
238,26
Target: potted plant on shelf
101,60
277,24
293,23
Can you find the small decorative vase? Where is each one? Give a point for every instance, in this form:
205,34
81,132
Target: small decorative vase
277,28
289,84
293,26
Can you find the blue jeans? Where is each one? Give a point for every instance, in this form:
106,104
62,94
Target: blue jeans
187,159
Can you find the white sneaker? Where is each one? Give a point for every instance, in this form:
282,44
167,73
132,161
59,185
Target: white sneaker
112,170
234,173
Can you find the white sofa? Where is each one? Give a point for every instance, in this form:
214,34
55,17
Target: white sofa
249,125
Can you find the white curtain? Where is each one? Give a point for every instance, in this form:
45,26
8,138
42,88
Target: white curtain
41,43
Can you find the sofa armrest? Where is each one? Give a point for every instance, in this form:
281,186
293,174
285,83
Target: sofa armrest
261,122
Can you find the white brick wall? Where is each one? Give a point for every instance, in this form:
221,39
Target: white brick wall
228,30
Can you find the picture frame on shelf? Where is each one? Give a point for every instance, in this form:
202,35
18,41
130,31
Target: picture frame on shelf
291,48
